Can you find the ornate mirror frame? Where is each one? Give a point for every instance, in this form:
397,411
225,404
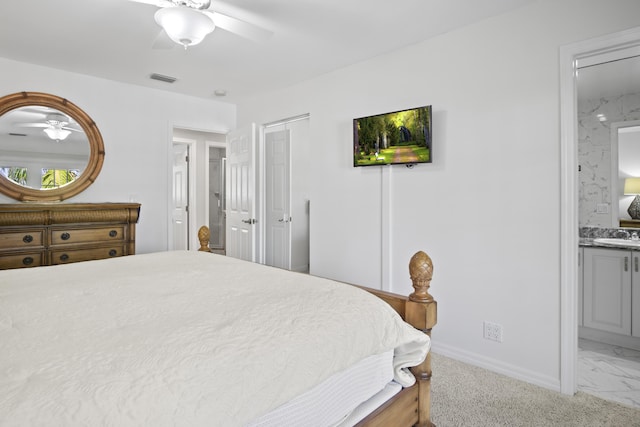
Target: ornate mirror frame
96,157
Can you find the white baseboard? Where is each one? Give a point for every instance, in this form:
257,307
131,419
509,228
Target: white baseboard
497,366
609,338
301,268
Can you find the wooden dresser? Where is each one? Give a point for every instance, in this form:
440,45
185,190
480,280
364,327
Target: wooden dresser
38,234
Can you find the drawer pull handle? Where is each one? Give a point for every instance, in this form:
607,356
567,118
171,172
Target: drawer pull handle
65,236
113,252
64,257
113,233
27,260
28,238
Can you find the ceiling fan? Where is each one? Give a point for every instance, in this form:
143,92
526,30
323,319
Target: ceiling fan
187,22
55,125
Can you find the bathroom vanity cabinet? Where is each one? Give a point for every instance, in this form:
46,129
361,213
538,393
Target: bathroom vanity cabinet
611,290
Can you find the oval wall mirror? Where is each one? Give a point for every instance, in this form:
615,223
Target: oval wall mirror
50,149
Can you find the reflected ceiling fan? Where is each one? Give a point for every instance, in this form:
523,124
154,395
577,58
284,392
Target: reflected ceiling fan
187,22
55,125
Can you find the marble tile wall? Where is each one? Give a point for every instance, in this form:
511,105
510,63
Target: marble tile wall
594,154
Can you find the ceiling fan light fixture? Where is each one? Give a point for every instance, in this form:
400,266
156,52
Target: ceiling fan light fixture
57,133
184,25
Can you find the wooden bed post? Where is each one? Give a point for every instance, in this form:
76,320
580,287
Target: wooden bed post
421,311
203,236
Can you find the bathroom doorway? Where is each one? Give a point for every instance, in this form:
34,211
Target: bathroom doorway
597,92
608,99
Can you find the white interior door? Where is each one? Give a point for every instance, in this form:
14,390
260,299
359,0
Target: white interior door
180,212
278,199
240,204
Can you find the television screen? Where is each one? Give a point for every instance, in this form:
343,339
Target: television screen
401,137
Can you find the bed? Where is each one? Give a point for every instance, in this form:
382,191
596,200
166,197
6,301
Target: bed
193,338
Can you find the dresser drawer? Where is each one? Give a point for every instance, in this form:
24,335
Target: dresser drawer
17,239
61,236
61,256
27,259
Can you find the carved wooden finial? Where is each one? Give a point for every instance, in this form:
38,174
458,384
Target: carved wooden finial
203,236
421,271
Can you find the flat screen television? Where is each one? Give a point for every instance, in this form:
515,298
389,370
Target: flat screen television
400,137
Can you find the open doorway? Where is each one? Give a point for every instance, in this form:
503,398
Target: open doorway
190,204
608,110
572,57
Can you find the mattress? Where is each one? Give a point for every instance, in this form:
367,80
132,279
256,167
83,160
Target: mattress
370,405
331,402
181,339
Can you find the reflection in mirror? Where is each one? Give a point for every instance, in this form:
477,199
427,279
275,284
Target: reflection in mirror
50,149
41,147
627,135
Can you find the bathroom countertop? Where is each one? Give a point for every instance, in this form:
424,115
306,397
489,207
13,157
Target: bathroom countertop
586,242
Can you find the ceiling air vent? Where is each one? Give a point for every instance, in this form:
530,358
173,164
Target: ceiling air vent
17,134
162,78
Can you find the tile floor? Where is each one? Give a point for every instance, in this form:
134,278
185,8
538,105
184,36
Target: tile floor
609,372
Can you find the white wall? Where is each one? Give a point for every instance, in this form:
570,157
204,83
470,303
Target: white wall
488,209
136,125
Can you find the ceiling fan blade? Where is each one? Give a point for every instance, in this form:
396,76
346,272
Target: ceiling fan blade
162,41
237,26
32,114
31,125
158,3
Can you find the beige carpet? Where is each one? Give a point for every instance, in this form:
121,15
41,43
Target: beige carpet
464,395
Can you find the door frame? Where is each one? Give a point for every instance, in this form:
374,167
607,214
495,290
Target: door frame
192,228
569,223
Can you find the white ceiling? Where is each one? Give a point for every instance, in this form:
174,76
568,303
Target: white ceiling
113,39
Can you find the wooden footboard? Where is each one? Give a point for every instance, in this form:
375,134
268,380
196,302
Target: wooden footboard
412,406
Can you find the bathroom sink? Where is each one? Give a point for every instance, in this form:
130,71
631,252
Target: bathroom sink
618,242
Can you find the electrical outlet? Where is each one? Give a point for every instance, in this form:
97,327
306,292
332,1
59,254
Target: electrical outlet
492,331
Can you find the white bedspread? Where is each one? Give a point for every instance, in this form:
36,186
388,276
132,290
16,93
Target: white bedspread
180,339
